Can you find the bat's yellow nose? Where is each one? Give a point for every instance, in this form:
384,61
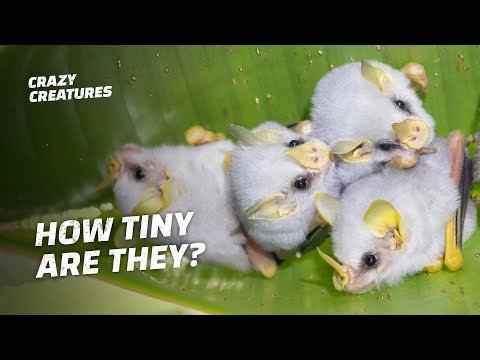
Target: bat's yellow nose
312,155
414,133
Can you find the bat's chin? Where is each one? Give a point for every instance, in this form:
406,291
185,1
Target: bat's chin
359,287
348,280
276,239
354,280
281,234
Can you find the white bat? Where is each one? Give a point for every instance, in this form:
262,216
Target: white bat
371,116
398,222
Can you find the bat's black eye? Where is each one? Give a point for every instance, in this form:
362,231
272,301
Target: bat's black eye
401,105
385,146
294,143
301,183
370,260
139,174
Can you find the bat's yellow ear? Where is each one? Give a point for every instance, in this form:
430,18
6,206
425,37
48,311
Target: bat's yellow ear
377,76
257,137
312,155
269,136
381,217
417,75
244,135
414,133
353,151
326,206
114,168
384,222
271,207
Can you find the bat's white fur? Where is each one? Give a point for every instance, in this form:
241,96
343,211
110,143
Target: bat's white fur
345,106
199,173
426,198
260,170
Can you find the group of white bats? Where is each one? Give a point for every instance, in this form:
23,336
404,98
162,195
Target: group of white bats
367,164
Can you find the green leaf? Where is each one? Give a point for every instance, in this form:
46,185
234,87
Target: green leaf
52,153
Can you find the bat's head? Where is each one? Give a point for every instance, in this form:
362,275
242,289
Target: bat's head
368,248
369,113
142,184
387,226
274,174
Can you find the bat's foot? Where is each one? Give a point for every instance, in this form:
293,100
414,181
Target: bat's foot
435,267
469,139
197,135
454,262
453,254
475,193
261,260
